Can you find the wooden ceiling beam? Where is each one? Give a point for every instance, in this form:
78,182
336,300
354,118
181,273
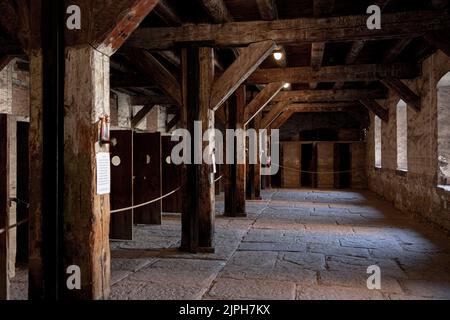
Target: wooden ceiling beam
217,10
396,50
439,40
173,122
267,9
274,112
262,99
306,30
156,73
367,72
316,107
148,100
107,27
248,61
330,95
140,116
375,107
282,118
166,13
403,91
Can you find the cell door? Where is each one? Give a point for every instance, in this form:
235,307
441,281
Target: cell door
342,166
147,177
171,178
121,184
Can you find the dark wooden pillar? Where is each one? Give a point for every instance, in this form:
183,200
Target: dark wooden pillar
250,182
257,166
198,193
235,173
4,206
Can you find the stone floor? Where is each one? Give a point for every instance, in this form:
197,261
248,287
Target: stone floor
295,244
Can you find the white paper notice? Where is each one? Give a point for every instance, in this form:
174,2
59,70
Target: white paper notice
103,173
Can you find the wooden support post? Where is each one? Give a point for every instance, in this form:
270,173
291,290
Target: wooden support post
89,69
235,173
69,221
4,207
257,177
198,191
250,171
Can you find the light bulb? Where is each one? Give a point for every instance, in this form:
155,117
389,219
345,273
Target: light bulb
286,85
278,56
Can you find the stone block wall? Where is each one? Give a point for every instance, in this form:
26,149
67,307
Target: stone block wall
416,191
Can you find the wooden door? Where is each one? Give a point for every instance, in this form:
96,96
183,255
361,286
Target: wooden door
171,178
147,177
121,184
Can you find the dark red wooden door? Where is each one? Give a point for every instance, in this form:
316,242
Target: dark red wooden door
147,177
171,177
121,184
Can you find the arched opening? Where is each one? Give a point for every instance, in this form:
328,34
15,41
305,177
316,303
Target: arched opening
402,136
377,142
443,112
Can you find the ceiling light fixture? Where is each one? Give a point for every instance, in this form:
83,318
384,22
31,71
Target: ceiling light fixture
278,55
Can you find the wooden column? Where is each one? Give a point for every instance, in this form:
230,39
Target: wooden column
250,177
86,100
4,206
257,176
235,173
198,179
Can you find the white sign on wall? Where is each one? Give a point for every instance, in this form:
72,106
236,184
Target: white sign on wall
103,173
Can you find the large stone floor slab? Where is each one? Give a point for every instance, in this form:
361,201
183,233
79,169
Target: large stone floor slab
294,244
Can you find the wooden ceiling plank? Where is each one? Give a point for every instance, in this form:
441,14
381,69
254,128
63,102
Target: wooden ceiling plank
306,30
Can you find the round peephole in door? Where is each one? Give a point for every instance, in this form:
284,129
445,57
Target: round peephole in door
116,161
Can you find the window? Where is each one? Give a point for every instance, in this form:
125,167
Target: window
377,142
402,136
443,105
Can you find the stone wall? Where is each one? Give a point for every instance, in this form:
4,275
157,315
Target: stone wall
416,191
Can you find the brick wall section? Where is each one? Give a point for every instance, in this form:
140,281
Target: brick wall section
416,192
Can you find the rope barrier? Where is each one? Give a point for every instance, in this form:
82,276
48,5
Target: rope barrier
146,203
314,172
18,202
